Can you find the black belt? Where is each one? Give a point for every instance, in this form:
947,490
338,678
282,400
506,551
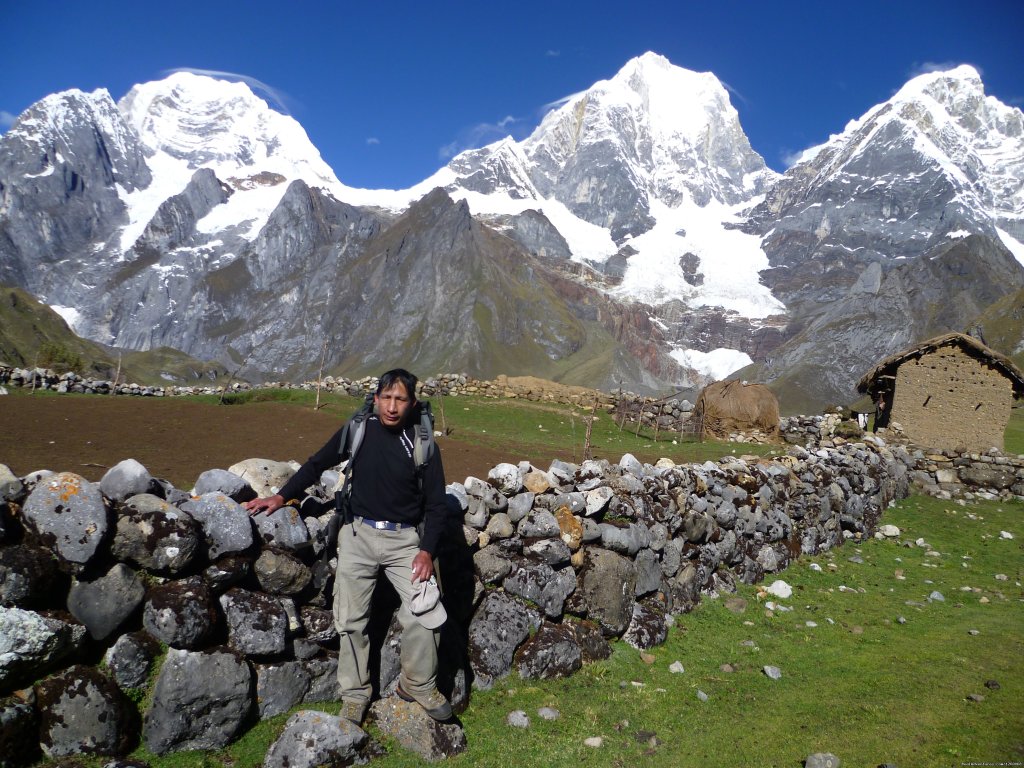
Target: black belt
384,525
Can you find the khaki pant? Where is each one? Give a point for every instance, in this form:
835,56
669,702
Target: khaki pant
362,552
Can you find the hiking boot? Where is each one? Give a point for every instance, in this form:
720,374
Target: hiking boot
353,711
434,703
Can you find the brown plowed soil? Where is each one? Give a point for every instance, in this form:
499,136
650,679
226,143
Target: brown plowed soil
178,438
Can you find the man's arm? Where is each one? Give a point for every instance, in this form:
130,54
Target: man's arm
308,474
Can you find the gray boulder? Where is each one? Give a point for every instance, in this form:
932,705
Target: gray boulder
29,576
223,481
414,729
543,585
30,643
156,535
499,627
312,739
284,528
608,587
124,479
519,506
554,651
180,613
323,675
257,623
225,523
279,687
83,711
540,523
68,514
200,701
131,658
104,603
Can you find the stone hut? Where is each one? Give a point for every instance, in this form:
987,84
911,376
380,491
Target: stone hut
950,392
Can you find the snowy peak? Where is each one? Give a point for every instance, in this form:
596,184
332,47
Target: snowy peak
672,130
945,121
50,133
223,125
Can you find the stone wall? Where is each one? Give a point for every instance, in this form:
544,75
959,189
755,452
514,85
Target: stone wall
94,577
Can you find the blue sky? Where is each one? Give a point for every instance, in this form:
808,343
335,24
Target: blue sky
389,91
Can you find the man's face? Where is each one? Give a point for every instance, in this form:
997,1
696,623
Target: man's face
393,404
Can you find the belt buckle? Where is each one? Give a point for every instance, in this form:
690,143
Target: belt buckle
380,525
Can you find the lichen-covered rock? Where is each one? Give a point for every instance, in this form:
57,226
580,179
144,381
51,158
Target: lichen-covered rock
281,573
225,523
130,659
69,516
180,613
29,577
608,585
312,739
30,643
543,585
553,651
265,476
83,711
283,528
156,535
257,623
414,729
498,628
647,627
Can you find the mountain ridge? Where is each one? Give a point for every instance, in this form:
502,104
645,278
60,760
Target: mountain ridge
634,226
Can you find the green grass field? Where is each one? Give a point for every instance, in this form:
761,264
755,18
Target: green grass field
876,668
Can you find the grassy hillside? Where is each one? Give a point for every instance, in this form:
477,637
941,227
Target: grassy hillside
1002,325
32,334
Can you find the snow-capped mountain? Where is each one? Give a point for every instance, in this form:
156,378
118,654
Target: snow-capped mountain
908,222
633,238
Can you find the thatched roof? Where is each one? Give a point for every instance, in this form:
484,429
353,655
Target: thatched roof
887,367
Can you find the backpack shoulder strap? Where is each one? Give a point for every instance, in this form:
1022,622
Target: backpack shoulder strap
352,433
423,445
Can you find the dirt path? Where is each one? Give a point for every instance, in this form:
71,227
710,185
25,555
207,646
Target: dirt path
178,438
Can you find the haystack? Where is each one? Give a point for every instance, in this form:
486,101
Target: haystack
733,406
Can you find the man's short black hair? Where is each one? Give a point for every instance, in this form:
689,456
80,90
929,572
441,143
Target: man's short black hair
398,376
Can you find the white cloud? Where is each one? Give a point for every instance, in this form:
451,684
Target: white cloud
552,53
276,98
480,135
373,141
6,119
939,66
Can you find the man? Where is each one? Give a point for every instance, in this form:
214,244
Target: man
390,498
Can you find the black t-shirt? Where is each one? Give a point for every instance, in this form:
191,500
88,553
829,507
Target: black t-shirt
384,480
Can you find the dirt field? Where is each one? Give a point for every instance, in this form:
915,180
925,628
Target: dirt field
178,438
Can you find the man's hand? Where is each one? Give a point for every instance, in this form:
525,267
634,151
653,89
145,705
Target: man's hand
422,566
268,504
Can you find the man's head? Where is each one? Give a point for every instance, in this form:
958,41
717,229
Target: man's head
395,397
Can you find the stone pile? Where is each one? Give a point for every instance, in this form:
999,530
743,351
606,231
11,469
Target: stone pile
543,567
